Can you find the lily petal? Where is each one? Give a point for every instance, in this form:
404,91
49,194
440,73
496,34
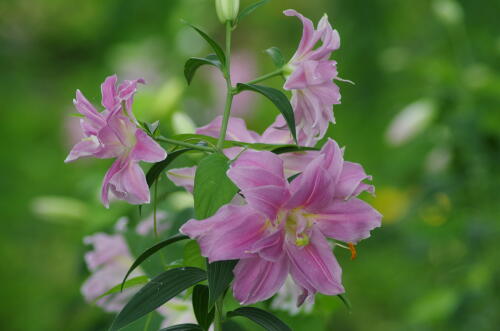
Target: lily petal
314,268
183,177
348,221
256,279
229,234
146,149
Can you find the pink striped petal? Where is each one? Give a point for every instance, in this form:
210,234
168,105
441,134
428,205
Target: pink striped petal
146,149
348,221
229,234
109,95
257,279
87,147
183,177
236,130
351,180
314,268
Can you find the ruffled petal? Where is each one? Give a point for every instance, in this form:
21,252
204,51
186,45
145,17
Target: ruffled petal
146,149
256,279
115,167
277,133
87,147
93,119
351,180
314,268
261,178
309,35
126,92
109,96
127,181
236,130
183,177
348,221
229,234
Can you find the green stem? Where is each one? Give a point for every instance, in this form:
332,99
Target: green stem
218,314
184,144
230,94
155,209
275,73
148,322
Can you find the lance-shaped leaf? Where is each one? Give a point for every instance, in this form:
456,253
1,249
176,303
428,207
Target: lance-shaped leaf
248,10
149,252
194,63
276,56
200,306
220,275
345,301
183,327
157,292
212,187
215,46
136,281
158,168
278,98
265,319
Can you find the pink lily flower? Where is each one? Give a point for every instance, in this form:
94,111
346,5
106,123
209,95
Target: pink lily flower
311,79
113,133
237,130
283,228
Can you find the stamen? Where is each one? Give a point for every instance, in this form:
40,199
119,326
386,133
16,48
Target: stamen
354,253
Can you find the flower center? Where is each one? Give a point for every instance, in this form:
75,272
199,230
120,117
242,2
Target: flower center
298,224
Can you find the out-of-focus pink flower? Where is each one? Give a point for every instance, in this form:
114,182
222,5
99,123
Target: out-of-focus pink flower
243,69
311,79
238,131
110,260
283,227
113,133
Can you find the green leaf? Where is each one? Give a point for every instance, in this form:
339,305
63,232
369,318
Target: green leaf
144,256
278,98
200,306
183,327
158,291
277,149
192,255
345,301
136,281
276,56
215,46
248,10
158,168
194,63
212,187
220,275
267,320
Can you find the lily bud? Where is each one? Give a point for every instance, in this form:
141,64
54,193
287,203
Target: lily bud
227,10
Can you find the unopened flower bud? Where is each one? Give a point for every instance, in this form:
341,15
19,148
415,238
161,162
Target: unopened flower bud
227,10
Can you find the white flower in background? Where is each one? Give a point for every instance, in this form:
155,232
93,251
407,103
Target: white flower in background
438,159
411,121
287,297
448,11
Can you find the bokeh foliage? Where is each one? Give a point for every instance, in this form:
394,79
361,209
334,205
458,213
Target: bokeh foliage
435,263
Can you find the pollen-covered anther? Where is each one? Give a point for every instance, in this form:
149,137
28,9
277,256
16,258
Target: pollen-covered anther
352,248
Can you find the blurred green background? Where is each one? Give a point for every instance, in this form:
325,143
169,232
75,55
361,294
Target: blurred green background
435,264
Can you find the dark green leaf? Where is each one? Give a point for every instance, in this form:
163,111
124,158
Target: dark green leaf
183,327
267,320
277,149
141,280
158,291
217,49
276,56
212,187
194,63
192,255
200,306
346,301
231,325
157,169
220,275
278,98
248,10
144,256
